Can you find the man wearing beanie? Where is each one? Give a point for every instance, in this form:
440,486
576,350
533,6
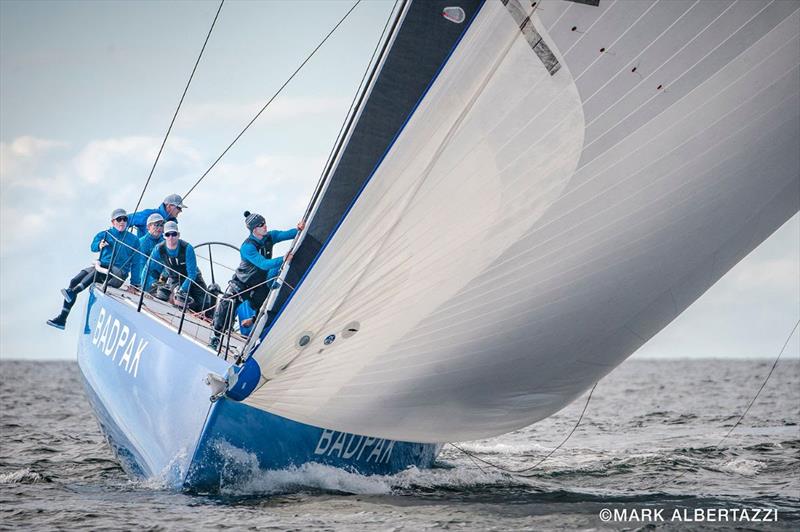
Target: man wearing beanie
125,261
250,281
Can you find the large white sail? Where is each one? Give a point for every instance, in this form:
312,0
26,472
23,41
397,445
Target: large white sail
561,193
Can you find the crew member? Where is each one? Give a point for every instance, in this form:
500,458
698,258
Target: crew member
176,259
114,244
154,236
169,210
249,282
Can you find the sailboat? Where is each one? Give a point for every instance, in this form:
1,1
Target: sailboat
525,194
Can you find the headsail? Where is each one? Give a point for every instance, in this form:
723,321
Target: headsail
418,52
530,226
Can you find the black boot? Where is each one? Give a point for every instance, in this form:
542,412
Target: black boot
60,321
213,342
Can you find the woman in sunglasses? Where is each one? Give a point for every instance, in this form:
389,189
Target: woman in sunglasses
113,243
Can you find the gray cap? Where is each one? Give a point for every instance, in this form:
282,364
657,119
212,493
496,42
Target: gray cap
117,213
155,217
170,227
174,199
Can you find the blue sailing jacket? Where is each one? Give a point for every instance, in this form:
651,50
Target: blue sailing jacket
139,219
126,257
249,251
146,245
156,267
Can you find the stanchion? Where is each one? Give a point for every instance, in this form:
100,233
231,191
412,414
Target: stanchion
110,266
144,282
185,304
230,330
211,264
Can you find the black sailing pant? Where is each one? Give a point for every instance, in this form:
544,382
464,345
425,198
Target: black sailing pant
84,278
235,293
201,299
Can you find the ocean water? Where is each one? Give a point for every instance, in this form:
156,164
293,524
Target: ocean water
646,449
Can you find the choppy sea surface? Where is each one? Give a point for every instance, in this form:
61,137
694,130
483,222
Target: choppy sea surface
644,456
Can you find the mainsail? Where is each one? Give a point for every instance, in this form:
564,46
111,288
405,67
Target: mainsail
527,197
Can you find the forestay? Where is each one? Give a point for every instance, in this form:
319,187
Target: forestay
535,222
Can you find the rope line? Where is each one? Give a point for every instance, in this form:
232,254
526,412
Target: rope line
548,455
180,103
285,83
753,400
519,472
746,410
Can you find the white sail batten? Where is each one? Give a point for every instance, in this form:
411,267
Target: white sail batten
532,226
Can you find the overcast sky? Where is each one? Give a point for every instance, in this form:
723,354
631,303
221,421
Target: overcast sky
87,90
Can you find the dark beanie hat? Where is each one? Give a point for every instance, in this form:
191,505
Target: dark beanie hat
252,220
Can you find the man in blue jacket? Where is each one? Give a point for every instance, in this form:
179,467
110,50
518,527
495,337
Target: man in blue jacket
154,235
169,210
176,258
252,279
114,244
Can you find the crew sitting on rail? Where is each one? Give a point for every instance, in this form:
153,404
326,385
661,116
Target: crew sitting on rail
169,210
176,259
114,244
249,282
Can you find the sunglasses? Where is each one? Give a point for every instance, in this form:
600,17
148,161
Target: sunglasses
170,234
121,219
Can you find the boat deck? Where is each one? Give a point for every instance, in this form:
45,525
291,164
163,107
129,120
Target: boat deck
196,327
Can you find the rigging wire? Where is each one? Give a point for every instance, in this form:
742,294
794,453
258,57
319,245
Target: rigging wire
180,103
548,455
285,83
349,117
357,97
